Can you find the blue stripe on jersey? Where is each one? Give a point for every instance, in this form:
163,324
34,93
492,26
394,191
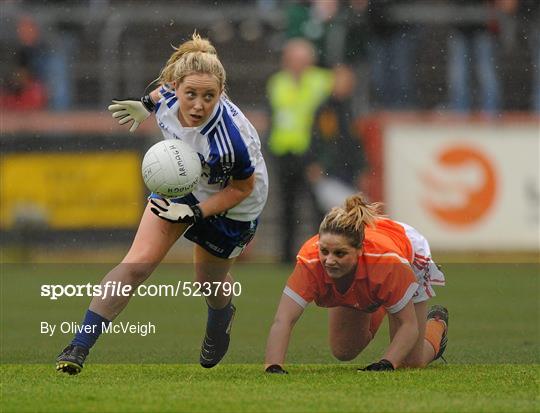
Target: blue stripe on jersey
217,172
223,150
168,96
166,93
224,143
242,166
158,105
228,152
209,125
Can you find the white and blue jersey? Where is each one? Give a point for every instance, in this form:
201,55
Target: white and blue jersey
230,147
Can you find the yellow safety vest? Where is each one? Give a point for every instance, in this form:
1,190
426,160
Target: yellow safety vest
293,108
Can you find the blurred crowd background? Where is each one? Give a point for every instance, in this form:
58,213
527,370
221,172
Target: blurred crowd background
350,61
458,55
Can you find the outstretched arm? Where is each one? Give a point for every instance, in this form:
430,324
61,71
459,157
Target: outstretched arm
287,314
134,110
403,340
405,336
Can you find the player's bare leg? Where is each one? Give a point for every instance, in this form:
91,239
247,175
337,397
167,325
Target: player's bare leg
152,241
423,352
209,268
437,329
349,332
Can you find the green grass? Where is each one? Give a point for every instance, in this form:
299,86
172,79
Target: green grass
329,388
493,352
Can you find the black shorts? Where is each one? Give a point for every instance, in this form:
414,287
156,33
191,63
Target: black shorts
220,236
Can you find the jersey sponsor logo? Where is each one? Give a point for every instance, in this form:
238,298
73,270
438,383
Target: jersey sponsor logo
217,173
166,129
214,247
233,111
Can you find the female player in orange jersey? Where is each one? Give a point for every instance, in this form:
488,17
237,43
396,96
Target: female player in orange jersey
362,266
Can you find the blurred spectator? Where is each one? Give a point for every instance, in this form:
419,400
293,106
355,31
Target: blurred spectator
336,158
296,15
294,94
323,23
356,53
47,59
337,29
339,32
30,49
392,56
23,91
58,75
529,17
329,17
472,45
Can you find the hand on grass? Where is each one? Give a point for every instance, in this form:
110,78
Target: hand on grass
276,369
382,365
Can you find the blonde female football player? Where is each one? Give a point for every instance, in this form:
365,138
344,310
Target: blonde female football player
362,266
220,216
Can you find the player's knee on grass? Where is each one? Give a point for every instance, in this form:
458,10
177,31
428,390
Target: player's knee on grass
346,347
345,355
348,351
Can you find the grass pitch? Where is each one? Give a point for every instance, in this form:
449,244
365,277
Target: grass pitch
493,350
243,388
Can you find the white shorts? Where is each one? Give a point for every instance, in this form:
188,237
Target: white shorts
426,271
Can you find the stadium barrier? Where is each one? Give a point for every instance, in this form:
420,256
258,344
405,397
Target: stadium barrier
72,180
69,178
466,183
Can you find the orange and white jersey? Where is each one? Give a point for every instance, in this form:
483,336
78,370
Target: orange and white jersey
386,275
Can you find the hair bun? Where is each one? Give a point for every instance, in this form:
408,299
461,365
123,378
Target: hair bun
195,55
198,44
354,202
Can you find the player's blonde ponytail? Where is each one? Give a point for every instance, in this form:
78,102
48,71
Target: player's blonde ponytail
197,55
351,219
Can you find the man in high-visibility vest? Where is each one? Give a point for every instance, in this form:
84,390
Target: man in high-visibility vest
294,93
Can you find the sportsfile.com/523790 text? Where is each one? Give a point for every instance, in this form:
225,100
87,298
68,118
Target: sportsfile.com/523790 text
117,288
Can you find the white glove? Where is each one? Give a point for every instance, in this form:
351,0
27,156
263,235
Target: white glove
176,213
129,110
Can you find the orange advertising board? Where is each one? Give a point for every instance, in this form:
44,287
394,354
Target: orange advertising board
465,186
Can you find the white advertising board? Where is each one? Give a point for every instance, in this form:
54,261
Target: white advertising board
465,187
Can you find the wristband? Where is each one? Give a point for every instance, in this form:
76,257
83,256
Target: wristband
148,103
197,213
